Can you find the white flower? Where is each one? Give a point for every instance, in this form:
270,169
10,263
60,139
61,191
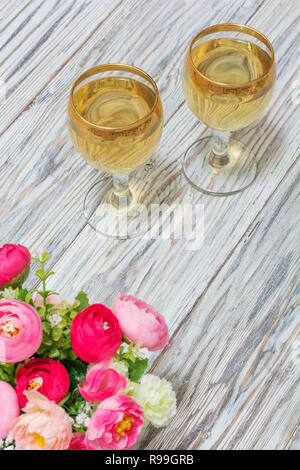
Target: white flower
139,352
131,389
55,319
9,440
87,407
157,398
1,442
8,293
87,422
120,367
9,448
80,418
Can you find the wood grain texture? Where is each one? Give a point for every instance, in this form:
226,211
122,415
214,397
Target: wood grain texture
41,41
233,305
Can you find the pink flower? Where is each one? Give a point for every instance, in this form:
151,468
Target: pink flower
20,331
101,382
9,408
77,442
141,323
95,334
52,299
115,424
43,426
14,265
49,377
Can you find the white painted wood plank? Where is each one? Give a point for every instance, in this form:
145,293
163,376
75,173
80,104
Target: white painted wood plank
9,14
44,183
39,137
41,143
234,358
293,442
38,43
105,269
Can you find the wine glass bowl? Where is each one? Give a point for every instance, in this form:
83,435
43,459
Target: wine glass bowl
115,119
228,80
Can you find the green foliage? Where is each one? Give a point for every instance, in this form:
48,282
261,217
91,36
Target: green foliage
83,300
136,369
7,444
77,371
8,373
74,403
56,322
19,294
133,357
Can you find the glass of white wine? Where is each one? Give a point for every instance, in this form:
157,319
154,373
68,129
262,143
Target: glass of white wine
115,119
228,80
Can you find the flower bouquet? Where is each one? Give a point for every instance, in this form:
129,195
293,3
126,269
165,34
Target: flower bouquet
71,373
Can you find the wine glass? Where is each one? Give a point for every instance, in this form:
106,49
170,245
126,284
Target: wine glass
115,119
228,80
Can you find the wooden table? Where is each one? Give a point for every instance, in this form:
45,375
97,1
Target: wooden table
232,306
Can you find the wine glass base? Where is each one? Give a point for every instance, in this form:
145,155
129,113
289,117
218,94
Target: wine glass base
236,172
132,218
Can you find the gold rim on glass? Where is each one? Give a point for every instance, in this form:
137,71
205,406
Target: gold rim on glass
107,132
220,88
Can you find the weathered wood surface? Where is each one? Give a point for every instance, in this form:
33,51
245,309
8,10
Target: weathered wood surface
233,305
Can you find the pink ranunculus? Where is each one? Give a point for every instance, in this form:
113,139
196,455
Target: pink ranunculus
95,334
52,299
141,323
20,331
9,408
77,442
115,424
14,265
43,426
47,376
101,382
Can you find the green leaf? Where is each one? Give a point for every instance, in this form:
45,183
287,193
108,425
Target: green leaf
67,332
64,400
28,297
45,257
77,371
73,314
22,294
42,350
42,312
72,355
40,273
46,327
54,352
62,355
83,301
49,274
63,324
137,368
56,333
8,372
47,341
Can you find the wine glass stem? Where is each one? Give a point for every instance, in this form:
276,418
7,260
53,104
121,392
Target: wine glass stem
219,155
121,195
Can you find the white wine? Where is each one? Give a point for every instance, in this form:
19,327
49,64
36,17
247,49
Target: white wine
118,105
231,64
